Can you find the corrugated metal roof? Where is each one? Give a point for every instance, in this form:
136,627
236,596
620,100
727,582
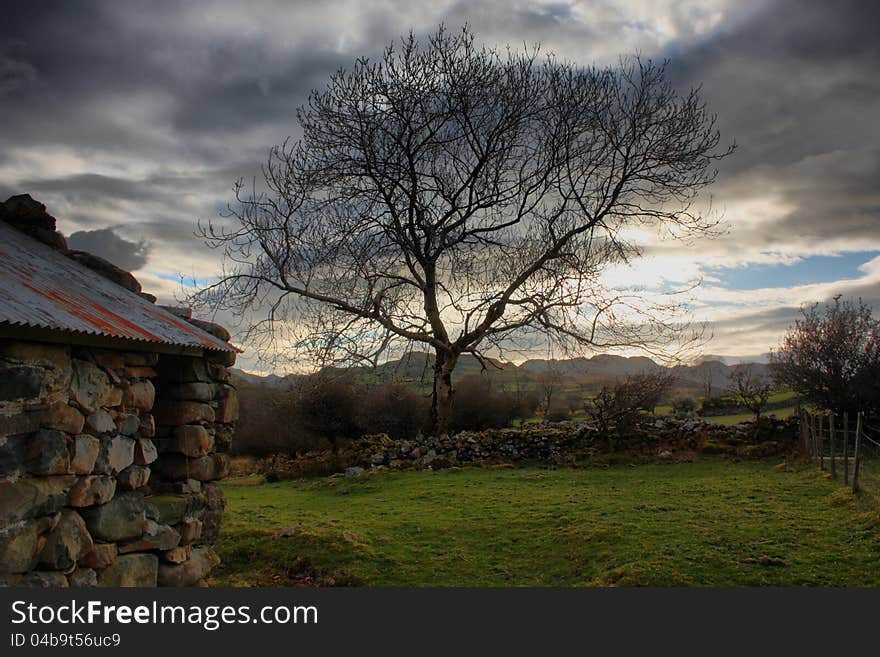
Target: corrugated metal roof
40,287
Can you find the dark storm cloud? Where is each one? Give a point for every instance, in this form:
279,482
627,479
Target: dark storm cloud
88,187
139,116
796,85
76,69
107,244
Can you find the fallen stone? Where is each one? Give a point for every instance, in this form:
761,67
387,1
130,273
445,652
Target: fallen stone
354,471
85,453
130,570
62,416
66,543
197,567
140,395
120,519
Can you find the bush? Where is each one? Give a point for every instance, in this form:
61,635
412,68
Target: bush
684,406
619,406
266,425
327,406
392,409
480,405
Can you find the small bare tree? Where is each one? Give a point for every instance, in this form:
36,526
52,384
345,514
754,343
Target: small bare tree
751,388
464,198
617,406
549,383
711,374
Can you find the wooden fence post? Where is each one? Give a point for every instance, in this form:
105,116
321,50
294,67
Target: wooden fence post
833,444
857,453
814,432
845,447
801,434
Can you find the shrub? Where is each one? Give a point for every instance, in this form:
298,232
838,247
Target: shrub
684,406
618,407
480,405
266,424
392,409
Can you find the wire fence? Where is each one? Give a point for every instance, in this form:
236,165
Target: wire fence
843,445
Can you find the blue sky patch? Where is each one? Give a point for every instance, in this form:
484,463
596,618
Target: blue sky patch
186,281
806,271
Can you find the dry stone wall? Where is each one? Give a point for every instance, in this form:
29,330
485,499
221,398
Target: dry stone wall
108,464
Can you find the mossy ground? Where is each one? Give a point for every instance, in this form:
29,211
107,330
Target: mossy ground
712,523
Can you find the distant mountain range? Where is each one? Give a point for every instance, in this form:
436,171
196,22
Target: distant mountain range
416,367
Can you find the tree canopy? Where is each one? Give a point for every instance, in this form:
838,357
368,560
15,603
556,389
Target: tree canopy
465,199
832,358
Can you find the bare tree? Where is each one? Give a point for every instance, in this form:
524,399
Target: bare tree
751,388
619,405
711,374
465,199
549,383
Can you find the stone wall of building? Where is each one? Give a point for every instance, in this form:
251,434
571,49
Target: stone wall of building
108,464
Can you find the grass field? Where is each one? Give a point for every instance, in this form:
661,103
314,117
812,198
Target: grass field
709,523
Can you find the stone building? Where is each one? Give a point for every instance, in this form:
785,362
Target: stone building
115,414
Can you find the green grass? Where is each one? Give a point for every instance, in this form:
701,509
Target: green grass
709,523
748,416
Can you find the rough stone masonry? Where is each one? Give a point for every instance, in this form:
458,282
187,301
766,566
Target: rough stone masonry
108,463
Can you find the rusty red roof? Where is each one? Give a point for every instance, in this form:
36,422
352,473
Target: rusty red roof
41,287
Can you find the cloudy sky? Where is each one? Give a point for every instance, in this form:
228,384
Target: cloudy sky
131,121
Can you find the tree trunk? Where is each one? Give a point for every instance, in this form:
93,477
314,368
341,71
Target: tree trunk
441,397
